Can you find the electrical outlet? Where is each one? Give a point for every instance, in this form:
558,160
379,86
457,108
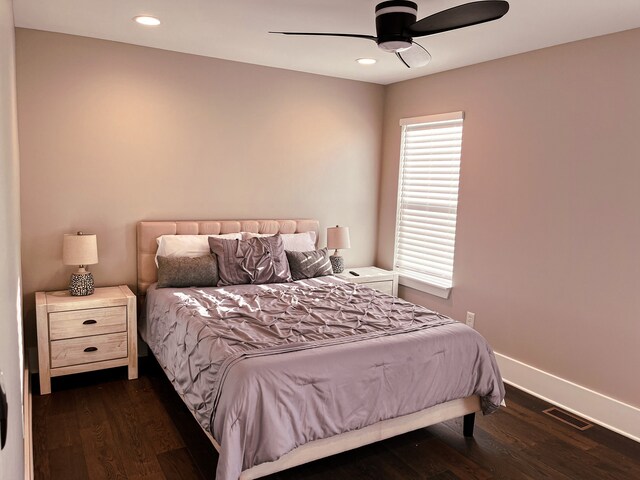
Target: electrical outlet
471,318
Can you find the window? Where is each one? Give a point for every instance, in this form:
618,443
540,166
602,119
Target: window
428,201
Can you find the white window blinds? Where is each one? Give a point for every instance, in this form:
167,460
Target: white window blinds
428,197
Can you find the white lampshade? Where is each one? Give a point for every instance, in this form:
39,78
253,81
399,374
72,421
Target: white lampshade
80,249
338,238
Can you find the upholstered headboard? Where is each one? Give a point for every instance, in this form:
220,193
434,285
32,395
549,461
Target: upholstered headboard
149,231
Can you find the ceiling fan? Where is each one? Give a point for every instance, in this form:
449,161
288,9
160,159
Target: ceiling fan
396,26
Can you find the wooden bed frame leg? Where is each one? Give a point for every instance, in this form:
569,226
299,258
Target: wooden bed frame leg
467,424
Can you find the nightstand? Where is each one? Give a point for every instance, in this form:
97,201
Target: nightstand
384,280
85,333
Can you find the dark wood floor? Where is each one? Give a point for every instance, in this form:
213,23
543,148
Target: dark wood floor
100,425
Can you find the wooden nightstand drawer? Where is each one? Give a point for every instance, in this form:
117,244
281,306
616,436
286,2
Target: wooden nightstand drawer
84,323
80,350
384,287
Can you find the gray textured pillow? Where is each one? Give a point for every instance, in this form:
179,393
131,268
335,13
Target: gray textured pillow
187,272
309,264
257,260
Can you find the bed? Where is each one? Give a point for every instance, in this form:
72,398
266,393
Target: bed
282,374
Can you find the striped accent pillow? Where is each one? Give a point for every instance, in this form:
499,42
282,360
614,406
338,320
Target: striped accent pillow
314,263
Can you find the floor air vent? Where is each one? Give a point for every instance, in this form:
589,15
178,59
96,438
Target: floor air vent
568,418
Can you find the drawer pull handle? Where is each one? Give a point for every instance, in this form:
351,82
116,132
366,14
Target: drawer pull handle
91,349
89,322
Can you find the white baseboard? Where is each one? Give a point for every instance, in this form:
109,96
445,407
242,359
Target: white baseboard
605,411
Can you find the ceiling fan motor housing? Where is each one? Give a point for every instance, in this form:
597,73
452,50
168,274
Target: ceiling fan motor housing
392,19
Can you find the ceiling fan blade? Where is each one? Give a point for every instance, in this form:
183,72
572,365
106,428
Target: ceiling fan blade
350,35
457,17
415,56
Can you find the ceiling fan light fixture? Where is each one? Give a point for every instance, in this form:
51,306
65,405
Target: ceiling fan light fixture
397,25
147,20
392,19
393,46
366,61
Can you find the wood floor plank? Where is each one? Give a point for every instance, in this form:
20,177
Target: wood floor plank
192,436
178,465
604,467
100,452
196,441
63,402
90,406
67,463
377,461
433,457
569,461
62,431
499,457
446,475
155,420
136,451
615,442
616,462
414,448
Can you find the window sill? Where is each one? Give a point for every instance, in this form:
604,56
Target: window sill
424,286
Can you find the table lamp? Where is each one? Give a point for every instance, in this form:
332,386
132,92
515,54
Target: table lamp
80,249
337,239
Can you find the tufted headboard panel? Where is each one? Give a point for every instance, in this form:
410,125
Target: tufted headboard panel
149,231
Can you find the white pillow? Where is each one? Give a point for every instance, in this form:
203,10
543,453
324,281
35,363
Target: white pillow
187,245
294,242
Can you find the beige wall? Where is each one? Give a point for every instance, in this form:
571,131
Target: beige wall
12,456
112,133
549,225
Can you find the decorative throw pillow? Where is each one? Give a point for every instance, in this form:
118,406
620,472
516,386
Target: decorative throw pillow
298,242
187,271
257,260
310,264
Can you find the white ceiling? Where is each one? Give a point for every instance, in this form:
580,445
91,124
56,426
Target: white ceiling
237,30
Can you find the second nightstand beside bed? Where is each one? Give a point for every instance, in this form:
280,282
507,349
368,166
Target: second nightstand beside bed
385,281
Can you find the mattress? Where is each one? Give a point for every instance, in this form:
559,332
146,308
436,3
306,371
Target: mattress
267,368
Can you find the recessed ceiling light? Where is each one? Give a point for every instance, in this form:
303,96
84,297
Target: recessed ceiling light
366,61
147,20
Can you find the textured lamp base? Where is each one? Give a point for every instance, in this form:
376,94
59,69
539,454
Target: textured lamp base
337,263
81,284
